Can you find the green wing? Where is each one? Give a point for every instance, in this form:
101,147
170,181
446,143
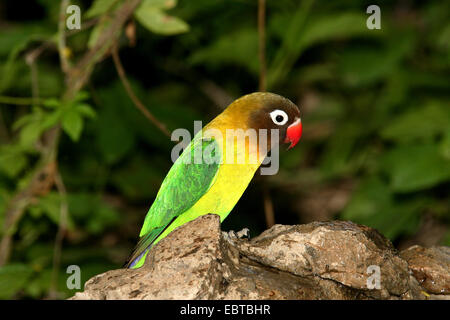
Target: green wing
186,182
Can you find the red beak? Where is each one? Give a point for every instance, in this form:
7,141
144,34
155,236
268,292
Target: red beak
293,133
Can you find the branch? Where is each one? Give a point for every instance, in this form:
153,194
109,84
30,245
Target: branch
20,101
268,205
44,175
81,72
86,25
40,184
219,96
34,79
65,67
132,95
215,93
262,44
62,227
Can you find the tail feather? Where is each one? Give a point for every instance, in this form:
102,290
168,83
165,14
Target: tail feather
144,245
136,263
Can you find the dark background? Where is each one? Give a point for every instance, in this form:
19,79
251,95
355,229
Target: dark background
375,110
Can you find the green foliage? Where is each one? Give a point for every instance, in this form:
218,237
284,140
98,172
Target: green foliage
235,48
415,167
13,278
100,7
151,14
424,122
375,108
92,213
12,160
374,204
69,114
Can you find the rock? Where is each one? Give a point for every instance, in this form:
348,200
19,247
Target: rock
320,260
340,251
185,265
431,267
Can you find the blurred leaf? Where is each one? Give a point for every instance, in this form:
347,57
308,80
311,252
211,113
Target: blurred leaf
30,133
336,26
444,37
445,145
363,66
415,167
373,205
121,123
238,47
50,205
12,160
150,15
395,91
92,213
13,38
336,157
13,278
105,217
137,173
33,124
49,78
72,115
316,73
52,103
371,197
81,96
40,284
16,47
51,119
31,229
160,4
306,31
72,123
100,7
4,197
99,28
40,255
421,122
114,138
85,110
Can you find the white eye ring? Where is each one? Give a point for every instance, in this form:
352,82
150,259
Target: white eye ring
276,114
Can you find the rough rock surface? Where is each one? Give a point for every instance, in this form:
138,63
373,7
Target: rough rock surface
321,260
431,267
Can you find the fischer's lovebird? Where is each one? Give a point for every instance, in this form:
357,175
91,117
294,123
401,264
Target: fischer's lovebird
214,182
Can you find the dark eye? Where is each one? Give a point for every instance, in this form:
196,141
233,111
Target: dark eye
279,117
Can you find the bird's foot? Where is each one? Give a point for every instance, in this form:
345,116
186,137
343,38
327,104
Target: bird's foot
244,233
232,235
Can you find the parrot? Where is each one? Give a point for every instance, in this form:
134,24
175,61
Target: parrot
195,188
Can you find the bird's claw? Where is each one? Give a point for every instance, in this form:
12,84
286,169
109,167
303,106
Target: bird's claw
233,235
244,233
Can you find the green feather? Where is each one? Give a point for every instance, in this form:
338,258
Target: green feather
186,182
141,248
